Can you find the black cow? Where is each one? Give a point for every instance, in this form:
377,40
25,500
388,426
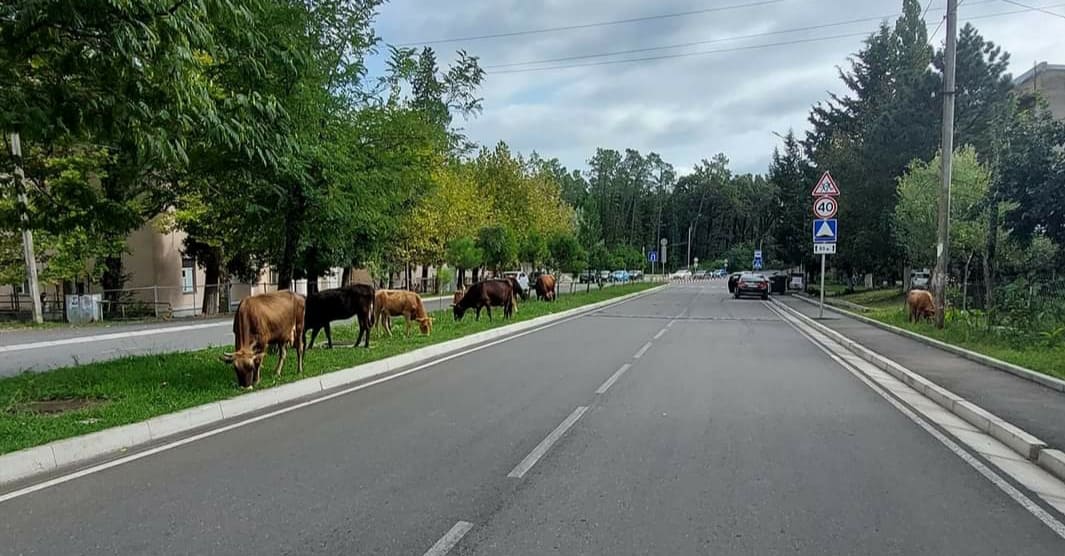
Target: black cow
499,293
336,304
522,293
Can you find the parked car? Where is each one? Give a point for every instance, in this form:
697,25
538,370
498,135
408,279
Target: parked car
604,275
752,285
523,279
919,279
797,281
586,277
683,274
636,275
620,276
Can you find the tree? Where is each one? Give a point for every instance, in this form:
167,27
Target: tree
793,178
533,249
567,255
499,246
463,254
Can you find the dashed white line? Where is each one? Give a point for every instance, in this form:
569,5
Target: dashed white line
660,334
450,539
613,378
642,351
538,452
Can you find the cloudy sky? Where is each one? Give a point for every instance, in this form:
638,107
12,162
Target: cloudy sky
685,107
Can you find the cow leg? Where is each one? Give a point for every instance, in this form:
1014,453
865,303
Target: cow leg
299,351
478,313
328,336
314,334
365,325
489,309
388,325
282,349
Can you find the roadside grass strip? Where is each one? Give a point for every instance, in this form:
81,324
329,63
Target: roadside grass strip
132,389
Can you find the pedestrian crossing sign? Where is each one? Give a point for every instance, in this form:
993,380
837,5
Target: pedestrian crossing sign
826,186
825,231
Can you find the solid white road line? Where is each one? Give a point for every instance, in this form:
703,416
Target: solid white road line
642,351
450,539
538,452
613,378
207,434
995,479
671,323
112,336
660,334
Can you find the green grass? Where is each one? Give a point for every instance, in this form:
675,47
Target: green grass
137,388
892,298
1026,350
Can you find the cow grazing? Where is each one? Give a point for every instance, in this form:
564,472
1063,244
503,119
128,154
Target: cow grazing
545,287
340,303
391,303
458,295
920,305
518,290
486,294
261,321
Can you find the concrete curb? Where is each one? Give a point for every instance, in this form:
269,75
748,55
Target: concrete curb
1027,445
1027,374
49,457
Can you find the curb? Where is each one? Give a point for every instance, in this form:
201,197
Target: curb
49,457
1016,370
1027,445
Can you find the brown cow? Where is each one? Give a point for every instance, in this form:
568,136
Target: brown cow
545,287
391,303
485,294
261,321
920,305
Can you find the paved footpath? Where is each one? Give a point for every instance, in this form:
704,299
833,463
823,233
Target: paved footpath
1032,407
682,422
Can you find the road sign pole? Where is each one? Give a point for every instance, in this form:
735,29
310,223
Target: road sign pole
821,310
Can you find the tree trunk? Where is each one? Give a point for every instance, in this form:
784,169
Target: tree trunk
425,278
906,270
476,271
212,277
989,261
345,277
312,282
965,283
112,281
461,284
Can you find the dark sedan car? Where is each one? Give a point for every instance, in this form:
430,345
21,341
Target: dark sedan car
752,285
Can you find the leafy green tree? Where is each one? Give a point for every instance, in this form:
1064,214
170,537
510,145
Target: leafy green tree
499,245
793,177
567,255
463,253
534,249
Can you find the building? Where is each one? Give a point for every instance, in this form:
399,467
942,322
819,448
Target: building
1049,81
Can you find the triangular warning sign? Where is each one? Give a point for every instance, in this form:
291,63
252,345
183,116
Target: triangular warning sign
825,186
825,230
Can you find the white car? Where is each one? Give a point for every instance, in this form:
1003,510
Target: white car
919,279
683,274
523,279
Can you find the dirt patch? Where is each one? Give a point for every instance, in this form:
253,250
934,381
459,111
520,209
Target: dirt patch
56,407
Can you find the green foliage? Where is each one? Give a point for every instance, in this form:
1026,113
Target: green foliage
499,246
534,249
567,254
464,253
793,176
444,276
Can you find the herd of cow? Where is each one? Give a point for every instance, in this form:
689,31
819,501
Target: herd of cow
282,319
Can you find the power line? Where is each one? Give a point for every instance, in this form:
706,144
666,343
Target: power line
926,6
1048,12
707,52
590,25
686,54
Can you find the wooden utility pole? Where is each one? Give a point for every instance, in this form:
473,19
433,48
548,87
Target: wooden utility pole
939,277
27,234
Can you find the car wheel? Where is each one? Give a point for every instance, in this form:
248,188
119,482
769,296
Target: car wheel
765,296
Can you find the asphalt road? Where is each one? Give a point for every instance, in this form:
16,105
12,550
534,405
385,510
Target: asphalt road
729,434
36,350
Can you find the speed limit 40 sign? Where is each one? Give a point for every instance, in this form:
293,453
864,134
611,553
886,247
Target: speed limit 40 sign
825,207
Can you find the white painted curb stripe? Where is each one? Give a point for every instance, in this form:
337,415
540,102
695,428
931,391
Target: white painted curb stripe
660,334
112,336
538,452
49,457
613,378
450,539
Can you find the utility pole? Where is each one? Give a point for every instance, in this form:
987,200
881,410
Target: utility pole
27,234
939,277
689,246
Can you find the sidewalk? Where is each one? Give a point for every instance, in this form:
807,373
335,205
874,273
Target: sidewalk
1030,406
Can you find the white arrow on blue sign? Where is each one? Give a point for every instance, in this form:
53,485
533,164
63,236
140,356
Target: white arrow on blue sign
652,256
825,231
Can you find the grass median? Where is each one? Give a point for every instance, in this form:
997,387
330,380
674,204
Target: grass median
37,408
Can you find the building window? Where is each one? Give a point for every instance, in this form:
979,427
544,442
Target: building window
188,275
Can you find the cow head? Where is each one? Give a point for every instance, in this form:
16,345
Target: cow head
426,325
246,364
458,311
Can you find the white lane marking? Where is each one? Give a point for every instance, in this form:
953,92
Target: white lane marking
538,452
671,323
613,378
660,334
450,539
207,434
112,336
642,351
995,479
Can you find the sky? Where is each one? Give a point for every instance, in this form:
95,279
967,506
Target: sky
690,106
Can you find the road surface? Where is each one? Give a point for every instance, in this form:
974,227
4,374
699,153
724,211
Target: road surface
36,350
682,422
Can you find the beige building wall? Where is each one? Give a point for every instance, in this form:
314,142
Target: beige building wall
1049,80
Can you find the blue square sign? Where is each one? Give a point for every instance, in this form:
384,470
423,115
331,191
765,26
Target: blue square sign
825,231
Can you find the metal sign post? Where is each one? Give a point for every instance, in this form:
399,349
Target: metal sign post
821,308
825,231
